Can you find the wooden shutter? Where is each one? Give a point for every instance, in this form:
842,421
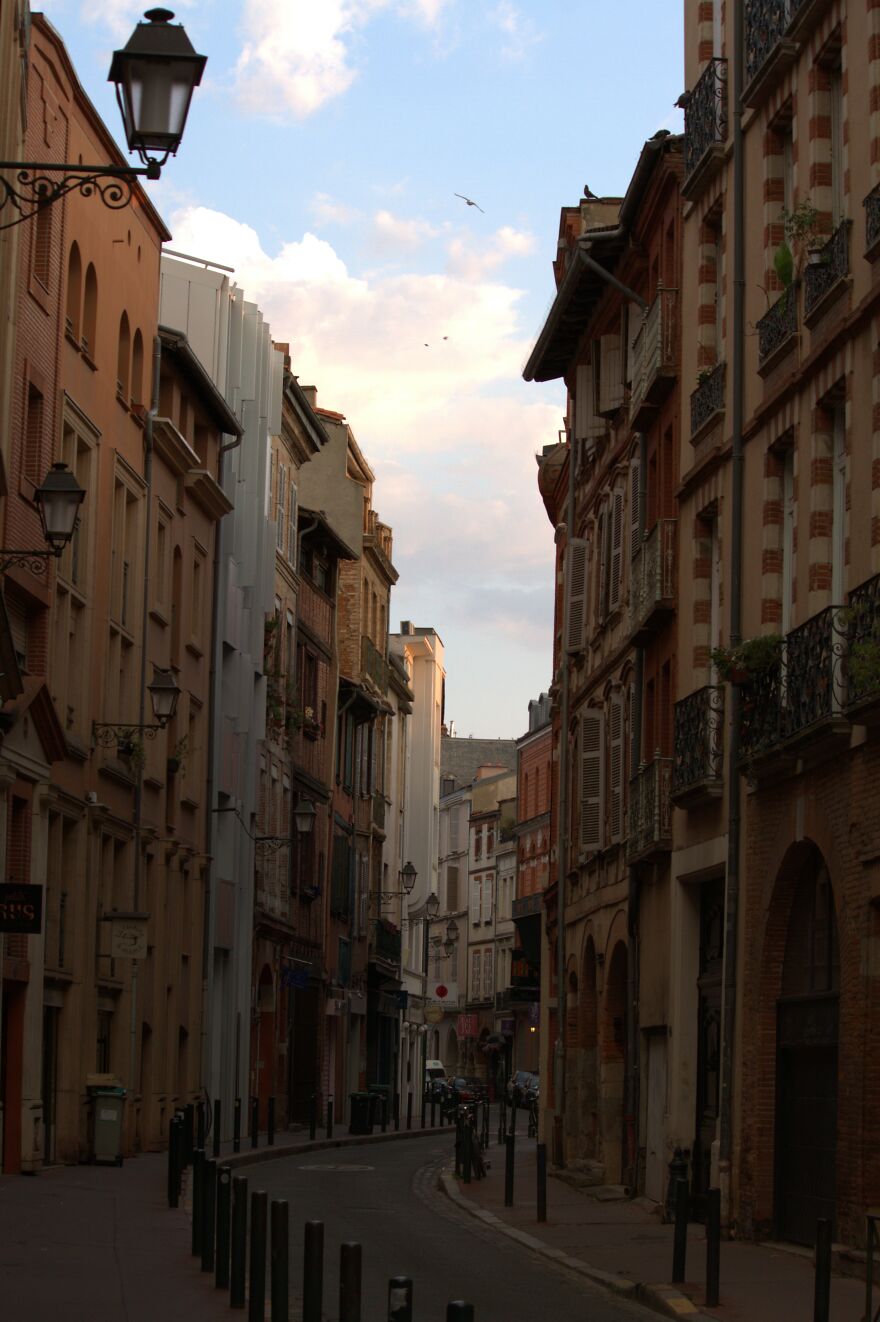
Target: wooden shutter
476,886
604,519
488,971
635,321
451,888
616,564
615,767
592,779
475,976
487,899
577,594
635,504
588,425
610,374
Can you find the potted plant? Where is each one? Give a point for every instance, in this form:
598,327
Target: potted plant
800,244
132,751
175,758
751,657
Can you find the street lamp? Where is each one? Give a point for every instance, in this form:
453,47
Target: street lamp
155,74
451,937
407,878
164,694
57,500
304,815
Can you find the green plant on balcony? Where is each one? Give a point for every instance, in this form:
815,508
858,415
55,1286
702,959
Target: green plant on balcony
751,657
175,760
863,663
131,750
799,227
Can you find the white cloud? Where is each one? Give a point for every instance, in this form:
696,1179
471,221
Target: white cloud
327,211
399,234
519,32
473,264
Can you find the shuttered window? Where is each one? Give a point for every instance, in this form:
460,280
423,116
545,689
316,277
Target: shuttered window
588,425
610,374
577,594
476,887
280,510
616,560
615,768
591,780
451,888
487,899
635,505
602,539
488,972
476,963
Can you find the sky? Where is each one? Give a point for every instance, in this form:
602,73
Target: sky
321,159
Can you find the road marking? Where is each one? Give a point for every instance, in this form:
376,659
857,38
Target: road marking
340,1167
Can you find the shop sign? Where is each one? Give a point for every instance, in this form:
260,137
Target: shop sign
128,935
434,1014
468,1025
21,909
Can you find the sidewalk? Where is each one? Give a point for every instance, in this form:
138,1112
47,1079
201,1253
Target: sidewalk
623,1246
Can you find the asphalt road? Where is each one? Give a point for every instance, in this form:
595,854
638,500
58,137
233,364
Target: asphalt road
385,1197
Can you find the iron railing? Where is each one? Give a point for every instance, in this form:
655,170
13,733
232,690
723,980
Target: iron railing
708,398
699,739
863,630
650,809
705,116
653,347
652,585
766,24
373,664
779,324
872,217
832,265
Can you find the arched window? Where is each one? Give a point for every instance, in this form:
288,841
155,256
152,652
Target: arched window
90,312
123,358
74,292
137,369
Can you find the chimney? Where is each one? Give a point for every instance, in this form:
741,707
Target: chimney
407,627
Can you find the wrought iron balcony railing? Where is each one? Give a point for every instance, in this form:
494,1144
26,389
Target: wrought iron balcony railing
766,25
650,810
779,324
863,629
698,763
386,941
708,398
705,116
832,265
653,349
872,218
373,664
652,585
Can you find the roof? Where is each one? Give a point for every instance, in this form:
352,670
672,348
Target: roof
327,531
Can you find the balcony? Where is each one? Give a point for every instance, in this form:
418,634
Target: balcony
374,665
698,764
705,128
796,707
872,222
825,274
777,328
805,14
653,355
707,401
650,811
386,941
652,584
863,668
768,51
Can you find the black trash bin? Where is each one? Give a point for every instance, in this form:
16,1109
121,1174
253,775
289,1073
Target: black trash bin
360,1111
379,1097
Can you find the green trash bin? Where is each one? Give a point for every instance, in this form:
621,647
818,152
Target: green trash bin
379,1097
361,1119
107,1116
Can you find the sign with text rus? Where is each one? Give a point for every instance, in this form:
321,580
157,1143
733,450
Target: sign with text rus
21,908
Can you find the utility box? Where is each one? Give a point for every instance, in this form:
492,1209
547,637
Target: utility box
107,1115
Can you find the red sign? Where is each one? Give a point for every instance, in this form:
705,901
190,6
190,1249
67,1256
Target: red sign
468,1025
441,992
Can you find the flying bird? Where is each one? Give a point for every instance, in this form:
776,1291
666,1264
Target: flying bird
470,202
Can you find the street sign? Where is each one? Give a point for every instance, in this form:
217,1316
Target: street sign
468,1025
434,1014
21,908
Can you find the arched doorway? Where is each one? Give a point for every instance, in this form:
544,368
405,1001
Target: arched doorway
806,1060
589,1032
614,1066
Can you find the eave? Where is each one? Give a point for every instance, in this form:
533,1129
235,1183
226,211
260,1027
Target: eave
207,492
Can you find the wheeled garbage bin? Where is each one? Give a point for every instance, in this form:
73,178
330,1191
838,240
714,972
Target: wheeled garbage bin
107,1115
361,1121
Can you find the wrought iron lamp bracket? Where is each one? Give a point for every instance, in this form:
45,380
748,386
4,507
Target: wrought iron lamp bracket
34,186
108,733
34,561
269,844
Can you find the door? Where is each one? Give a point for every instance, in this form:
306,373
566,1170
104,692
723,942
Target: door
656,1172
708,1037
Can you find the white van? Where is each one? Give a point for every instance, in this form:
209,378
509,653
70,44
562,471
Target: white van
435,1076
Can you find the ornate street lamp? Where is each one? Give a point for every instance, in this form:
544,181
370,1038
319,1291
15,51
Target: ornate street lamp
304,815
407,878
155,74
451,937
58,500
164,694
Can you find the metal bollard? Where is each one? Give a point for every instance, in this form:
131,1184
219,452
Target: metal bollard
513,1109
200,1126
485,1125
255,1122
509,1158
679,1249
713,1245
257,1265
313,1117
313,1271
270,1122
678,1170
467,1151
209,1212
822,1287
197,1168
433,1110
400,1299
189,1133
224,1207
541,1167
180,1139
216,1123
236,1126
238,1259
329,1117
397,1113
409,1110
350,1283
459,1311
383,1118
279,1264
502,1119
173,1168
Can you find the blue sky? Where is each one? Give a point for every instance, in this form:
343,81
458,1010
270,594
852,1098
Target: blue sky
321,159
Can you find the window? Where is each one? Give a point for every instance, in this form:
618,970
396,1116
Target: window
487,898
788,527
137,370
478,842
32,457
488,972
280,509
73,300
835,92
102,1051
476,969
90,312
291,523
451,888
591,780
616,767
838,504
123,359
197,600
476,892
576,582
615,549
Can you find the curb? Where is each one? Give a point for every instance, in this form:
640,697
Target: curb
256,1155
662,1298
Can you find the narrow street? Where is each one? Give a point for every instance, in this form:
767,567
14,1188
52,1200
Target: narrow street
385,1197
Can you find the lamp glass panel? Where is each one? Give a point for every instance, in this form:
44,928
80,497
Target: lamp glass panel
158,93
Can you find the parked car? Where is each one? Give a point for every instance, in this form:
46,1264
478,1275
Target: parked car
435,1080
517,1085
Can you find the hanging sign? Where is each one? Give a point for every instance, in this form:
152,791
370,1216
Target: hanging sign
21,908
128,935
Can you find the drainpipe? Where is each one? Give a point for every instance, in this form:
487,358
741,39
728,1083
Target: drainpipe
731,898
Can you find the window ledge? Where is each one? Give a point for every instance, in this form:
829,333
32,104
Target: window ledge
194,649
158,615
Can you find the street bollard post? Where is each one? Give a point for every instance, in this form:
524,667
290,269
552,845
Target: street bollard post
822,1285
459,1311
180,1140
383,1113
541,1167
313,1117
486,1114
200,1126
509,1158
329,1117
513,1120
255,1122
270,1122
257,1264
713,1246
236,1126
679,1243
197,1166
502,1119
467,1150
209,1212
313,1271
189,1133
216,1126
350,1282
397,1112
238,1256
400,1299
224,1208
279,1269
173,1171
433,1110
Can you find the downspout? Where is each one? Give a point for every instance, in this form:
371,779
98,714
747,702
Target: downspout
731,897
563,821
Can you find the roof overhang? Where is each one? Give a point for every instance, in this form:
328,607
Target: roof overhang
176,344
574,304
322,527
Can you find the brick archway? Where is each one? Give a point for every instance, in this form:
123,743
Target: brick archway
613,1064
